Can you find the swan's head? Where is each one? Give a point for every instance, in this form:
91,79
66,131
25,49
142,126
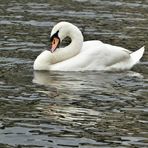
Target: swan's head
61,31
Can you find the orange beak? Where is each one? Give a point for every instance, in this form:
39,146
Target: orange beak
54,44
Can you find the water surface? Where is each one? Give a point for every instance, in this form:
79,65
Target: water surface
72,109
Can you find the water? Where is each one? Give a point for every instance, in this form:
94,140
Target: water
72,109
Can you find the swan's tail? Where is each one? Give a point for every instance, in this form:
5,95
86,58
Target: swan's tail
137,55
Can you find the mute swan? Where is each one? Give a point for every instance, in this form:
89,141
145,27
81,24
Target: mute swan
80,56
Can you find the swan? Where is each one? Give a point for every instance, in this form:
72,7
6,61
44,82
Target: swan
82,55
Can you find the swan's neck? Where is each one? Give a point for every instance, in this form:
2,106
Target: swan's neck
46,58
72,49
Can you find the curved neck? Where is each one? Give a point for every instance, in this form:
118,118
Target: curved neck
62,54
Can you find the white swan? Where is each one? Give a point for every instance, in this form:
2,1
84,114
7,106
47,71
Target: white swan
79,55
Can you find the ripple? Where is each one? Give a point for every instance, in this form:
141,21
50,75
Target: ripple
71,109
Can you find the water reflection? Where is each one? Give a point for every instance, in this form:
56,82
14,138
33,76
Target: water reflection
91,101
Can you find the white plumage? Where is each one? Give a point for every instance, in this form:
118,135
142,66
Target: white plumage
88,55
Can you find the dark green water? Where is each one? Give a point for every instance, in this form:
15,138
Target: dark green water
72,109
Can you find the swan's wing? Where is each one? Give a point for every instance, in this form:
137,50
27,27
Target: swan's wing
94,55
114,54
105,54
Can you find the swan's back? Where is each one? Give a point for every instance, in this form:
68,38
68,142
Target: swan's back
95,55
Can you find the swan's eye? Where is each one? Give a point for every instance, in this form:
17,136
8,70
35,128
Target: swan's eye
53,42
